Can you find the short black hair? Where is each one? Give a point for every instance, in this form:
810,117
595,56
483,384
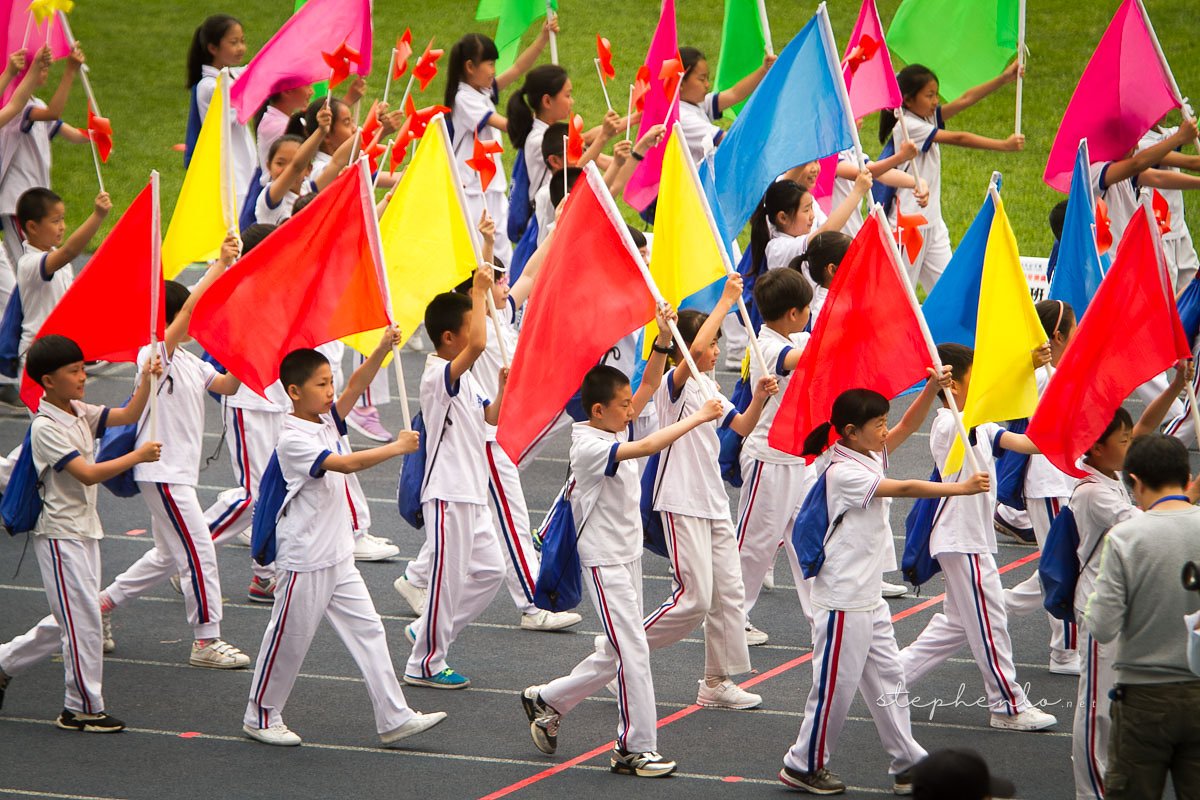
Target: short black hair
34,205
445,314
689,324
1158,461
958,357
552,141
779,291
299,365
1058,217
254,234
1121,421
465,286
639,238
302,201
600,385
175,294
557,193
827,247
48,353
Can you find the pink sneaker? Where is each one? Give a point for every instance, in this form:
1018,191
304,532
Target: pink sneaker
366,421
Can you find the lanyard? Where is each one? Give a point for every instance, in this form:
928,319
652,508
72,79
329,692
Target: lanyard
1182,497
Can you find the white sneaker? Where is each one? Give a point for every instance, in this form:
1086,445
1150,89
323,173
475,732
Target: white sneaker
416,342
373,548
893,589
278,734
176,584
1065,662
1031,719
106,632
726,694
543,620
219,655
420,722
769,580
415,596
755,637
242,539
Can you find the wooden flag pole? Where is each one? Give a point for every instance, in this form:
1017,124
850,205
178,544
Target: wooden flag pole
1020,59
228,190
603,87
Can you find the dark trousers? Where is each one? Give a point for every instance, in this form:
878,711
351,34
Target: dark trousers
1155,731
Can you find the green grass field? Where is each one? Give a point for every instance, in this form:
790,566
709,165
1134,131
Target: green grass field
137,67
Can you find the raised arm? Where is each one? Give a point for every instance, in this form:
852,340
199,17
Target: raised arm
664,437
743,424
177,331
34,78
746,86
977,93
477,324
132,411
840,215
361,378
1143,160
915,416
72,248
58,103
708,331
530,55
652,373
1153,416
304,156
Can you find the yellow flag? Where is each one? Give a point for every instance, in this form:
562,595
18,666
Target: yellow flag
1007,331
44,9
426,242
199,224
686,257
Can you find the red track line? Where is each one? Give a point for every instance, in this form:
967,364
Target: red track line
692,709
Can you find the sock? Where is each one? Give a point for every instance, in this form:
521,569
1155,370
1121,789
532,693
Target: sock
713,681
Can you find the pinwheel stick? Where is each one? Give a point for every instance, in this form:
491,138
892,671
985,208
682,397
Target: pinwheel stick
603,88
628,113
387,154
387,84
407,92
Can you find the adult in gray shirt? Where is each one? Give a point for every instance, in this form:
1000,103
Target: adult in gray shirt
1156,702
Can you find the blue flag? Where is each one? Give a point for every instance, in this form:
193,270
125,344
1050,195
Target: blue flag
1080,267
952,307
793,117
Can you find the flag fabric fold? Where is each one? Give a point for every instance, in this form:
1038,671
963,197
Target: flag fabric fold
1131,333
952,307
319,271
293,56
116,300
576,316
1124,90
515,17
867,66
743,46
1080,267
659,108
869,295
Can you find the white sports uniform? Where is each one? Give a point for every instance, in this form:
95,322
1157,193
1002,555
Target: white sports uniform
317,577
66,540
690,497
774,482
183,545
467,568
1178,248
935,253
604,502
1047,489
40,291
472,110
269,213
696,120
241,147
964,543
854,646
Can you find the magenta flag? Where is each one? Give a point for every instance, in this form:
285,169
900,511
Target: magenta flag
293,55
642,188
822,190
1124,90
867,66
49,32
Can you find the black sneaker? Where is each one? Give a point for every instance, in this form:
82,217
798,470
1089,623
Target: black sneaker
643,765
902,783
88,723
4,679
821,781
1023,536
544,721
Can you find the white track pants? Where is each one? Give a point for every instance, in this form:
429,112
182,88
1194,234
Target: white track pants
1089,742
1026,597
770,498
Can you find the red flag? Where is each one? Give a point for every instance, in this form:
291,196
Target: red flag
563,339
670,74
1104,237
108,309
890,354
403,52
908,234
1162,212
339,62
313,280
641,85
426,68
604,52
99,130
370,128
1131,333
482,162
575,140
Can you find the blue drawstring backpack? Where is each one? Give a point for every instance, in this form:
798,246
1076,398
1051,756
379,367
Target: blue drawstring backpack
1011,469
10,335
413,472
1059,567
520,204
114,443
1189,309
880,192
559,585
272,494
654,537
812,530
917,565
249,214
21,504
730,457
523,250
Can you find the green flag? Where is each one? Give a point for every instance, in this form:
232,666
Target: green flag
742,46
515,18
966,42
322,88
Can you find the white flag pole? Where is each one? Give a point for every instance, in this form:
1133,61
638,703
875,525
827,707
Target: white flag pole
155,283
387,84
1183,101
87,88
629,113
551,14
902,275
840,81
387,154
766,27
904,130
1020,59
603,87
228,181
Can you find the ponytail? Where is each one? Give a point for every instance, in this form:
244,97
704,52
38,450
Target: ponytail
912,79
817,441
209,32
827,247
525,104
854,407
471,47
781,197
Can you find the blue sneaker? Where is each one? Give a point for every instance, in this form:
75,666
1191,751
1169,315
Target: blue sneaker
409,633
446,679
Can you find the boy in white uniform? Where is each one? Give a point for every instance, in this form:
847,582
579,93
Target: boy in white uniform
314,554
67,534
182,543
604,493
467,567
964,543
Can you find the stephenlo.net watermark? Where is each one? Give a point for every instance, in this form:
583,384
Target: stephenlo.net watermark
906,699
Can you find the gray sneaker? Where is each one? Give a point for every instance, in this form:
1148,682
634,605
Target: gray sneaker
643,765
820,781
544,721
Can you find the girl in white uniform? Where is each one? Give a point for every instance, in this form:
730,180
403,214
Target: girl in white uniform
544,99
854,646
924,118
699,107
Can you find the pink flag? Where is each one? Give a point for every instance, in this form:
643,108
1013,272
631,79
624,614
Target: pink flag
867,66
822,190
293,55
660,108
1123,91
49,32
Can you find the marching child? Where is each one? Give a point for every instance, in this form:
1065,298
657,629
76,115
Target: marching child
314,542
218,43
290,165
467,567
854,646
964,543
924,118
68,532
699,107
604,502
183,545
